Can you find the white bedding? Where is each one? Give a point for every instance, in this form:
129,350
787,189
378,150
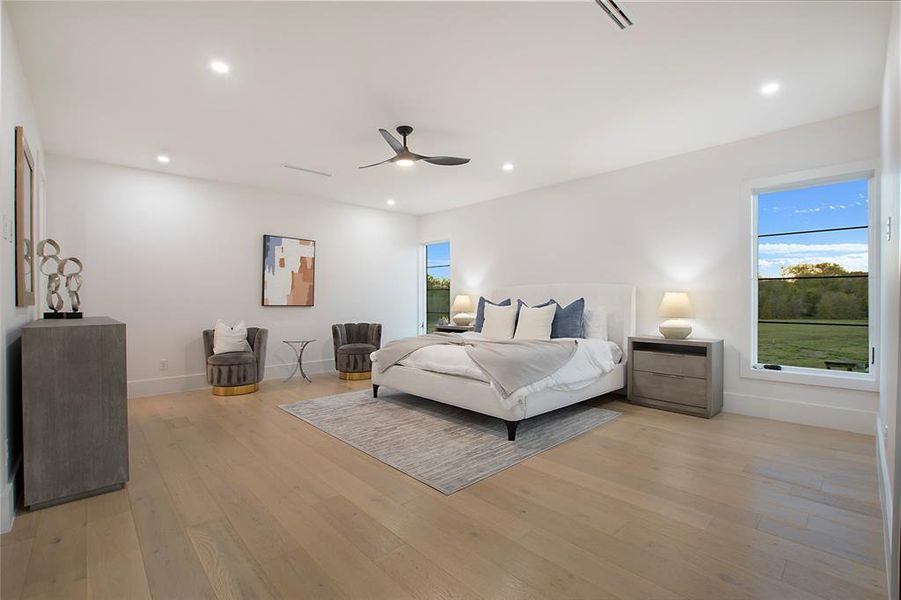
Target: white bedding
593,358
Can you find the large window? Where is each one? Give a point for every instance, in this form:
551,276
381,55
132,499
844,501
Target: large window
437,284
813,277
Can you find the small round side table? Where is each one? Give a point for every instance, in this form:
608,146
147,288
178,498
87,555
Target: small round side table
298,346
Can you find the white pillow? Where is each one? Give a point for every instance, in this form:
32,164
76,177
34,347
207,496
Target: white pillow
594,323
500,322
230,339
535,323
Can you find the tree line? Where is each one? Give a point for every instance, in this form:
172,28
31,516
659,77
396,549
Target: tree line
814,291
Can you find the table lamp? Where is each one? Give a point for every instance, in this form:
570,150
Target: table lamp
675,308
462,309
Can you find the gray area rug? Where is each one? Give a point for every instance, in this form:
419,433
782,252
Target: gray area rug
445,447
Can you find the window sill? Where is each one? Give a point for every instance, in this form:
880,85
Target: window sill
865,382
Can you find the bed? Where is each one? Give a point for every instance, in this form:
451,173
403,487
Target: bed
480,396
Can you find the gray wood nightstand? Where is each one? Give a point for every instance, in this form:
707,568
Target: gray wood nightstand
453,328
678,375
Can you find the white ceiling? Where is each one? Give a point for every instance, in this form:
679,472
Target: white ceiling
554,87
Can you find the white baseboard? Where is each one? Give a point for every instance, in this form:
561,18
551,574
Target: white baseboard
8,510
8,499
805,413
197,381
885,493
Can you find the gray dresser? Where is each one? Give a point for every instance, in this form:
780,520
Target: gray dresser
75,420
679,375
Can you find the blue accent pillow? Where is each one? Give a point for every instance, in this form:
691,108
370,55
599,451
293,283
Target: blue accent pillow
568,320
480,312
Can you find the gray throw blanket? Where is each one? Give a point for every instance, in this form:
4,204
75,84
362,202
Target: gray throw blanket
509,364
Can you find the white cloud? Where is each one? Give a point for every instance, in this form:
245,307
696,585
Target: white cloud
816,209
770,267
851,256
777,249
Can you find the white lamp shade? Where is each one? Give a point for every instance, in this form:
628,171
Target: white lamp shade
462,303
675,305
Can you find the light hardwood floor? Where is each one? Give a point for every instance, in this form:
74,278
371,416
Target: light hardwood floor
232,498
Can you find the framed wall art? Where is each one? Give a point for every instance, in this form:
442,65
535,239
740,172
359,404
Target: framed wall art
289,269
25,218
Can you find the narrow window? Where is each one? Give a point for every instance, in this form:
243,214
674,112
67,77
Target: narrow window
437,284
812,271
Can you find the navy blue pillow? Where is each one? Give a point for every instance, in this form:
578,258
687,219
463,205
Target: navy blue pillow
480,312
568,320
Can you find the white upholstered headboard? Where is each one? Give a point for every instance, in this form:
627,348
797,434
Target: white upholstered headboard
618,299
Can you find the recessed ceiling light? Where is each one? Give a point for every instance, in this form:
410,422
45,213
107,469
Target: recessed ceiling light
163,159
770,88
219,67
390,202
508,166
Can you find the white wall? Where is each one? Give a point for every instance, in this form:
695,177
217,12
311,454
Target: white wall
169,255
678,223
16,110
891,292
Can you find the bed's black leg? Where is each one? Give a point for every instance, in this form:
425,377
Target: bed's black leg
375,390
511,429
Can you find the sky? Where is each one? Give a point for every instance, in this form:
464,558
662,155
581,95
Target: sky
438,254
842,204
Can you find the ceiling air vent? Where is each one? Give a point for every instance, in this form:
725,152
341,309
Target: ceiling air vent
314,172
616,13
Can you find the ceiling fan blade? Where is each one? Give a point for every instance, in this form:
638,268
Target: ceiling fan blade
379,163
447,161
392,141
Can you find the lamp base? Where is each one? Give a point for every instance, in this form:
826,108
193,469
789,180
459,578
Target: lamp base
675,329
463,319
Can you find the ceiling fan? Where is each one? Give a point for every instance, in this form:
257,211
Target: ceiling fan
404,158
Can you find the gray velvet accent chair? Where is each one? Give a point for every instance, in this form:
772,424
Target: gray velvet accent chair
236,373
354,342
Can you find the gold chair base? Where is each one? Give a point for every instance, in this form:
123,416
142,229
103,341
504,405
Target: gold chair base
355,376
234,390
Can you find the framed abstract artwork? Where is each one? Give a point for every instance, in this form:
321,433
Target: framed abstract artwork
289,269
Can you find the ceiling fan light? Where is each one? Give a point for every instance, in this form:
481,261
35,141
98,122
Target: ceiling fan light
404,162
770,88
220,67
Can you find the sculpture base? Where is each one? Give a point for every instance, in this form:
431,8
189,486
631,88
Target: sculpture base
54,315
73,315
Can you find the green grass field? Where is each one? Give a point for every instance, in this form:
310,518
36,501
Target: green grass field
791,343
